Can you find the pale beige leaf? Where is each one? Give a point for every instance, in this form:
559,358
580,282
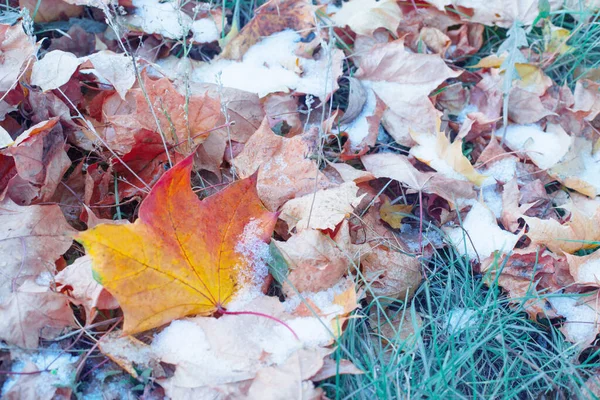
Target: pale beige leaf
54,70
365,16
323,210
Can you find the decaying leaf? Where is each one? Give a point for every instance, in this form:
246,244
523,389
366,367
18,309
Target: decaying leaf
581,231
17,48
33,238
164,249
77,282
392,213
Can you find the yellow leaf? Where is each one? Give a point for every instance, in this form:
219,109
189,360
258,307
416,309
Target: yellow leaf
181,256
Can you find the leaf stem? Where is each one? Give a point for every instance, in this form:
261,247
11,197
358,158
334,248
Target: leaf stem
259,314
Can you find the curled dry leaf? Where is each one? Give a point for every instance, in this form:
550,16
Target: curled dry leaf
322,210
403,80
33,311
77,282
284,168
585,270
204,268
445,157
33,238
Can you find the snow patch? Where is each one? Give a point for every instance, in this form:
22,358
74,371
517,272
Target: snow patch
460,319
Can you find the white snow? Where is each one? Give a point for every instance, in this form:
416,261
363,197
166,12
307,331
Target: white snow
162,17
60,365
481,235
205,30
269,66
545,149
256,257
589,272
582,319
459,319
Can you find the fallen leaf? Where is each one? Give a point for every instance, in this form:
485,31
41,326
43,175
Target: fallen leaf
79,284
525,107
117,69
181,119
445,157
205,270
365,16
54,70
315,261
33,238
40,161
33,311
579,169
130,354
403,80
391,213
582,316
284,168
51,10
322,210
581,231
399,168
544,148
17,48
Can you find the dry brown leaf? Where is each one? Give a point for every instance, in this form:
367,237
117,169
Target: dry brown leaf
525,107
403,80
399,168
77,282
33,238
284,168
283,108
33,383
17,48
183,119
582,231
315,260
236,354
390,273
351,174
51,10
586,98
582,317
511,210
322,210
497,12
54,70
585,270
33,311
273,16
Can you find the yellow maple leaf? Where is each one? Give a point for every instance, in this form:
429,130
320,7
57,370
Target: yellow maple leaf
179,258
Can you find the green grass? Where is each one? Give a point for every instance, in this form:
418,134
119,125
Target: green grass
495,352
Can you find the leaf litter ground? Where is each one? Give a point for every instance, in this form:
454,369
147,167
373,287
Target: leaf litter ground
299,200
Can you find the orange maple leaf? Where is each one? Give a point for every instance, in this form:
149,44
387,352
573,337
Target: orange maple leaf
179,258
